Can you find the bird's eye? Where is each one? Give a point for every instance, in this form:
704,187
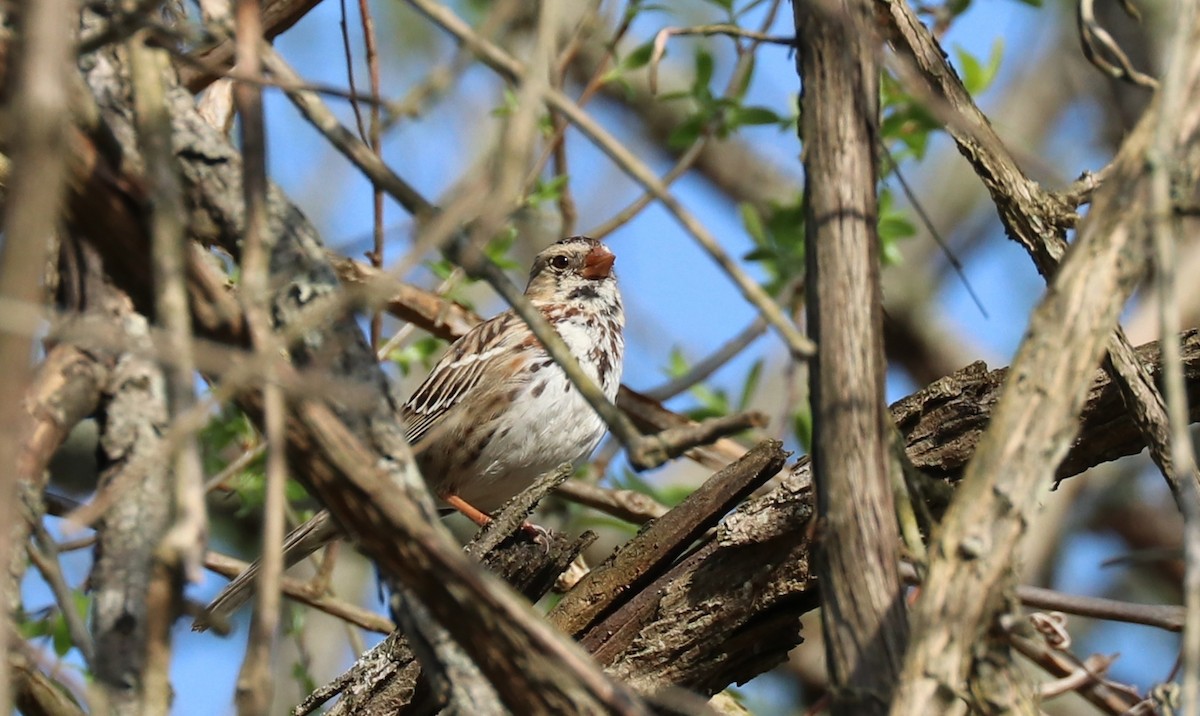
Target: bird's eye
560,262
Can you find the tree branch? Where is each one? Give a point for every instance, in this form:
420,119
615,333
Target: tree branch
862,601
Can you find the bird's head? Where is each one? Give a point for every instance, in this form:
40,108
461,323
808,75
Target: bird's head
574,269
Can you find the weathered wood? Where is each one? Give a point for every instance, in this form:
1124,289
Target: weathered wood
862,599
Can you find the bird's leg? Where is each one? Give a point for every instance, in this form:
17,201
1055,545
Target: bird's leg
474,514
481,518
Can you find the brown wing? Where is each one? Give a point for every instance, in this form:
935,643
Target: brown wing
459,372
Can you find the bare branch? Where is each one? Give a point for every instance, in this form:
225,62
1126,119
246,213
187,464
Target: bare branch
863,612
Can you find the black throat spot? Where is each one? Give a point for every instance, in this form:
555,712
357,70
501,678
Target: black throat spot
585,292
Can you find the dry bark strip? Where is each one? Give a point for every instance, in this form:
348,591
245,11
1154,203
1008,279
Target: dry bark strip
133,423
942,423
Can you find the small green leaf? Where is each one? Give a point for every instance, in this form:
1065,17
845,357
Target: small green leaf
508,106
303,677
757,115
704,70
977,76
294,491
761,254
802,427
60,637
686,133
639,57
752,222
671,96
677,365
545,192
498,249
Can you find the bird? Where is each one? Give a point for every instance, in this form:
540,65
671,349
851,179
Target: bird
496,411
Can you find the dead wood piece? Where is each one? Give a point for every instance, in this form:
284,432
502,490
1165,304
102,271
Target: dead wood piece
35,693
664,539
387,678
727,612
133,527
942,423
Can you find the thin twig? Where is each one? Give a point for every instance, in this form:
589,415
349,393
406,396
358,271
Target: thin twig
1110,697
692,154
43,553
629,505
503,63
303,593
1162,616
241,462
1099,47
182,548
254,684
701,370
927,222
664,35
376,142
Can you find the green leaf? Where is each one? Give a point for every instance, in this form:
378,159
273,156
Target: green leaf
508,106
802,427
761,254
545,192
639,57
498,248
713,403
758,115
677,365
303,677
294,491
686,133
752,222
704,71
441,268
977,76
418,355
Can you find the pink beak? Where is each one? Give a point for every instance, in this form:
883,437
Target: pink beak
598,263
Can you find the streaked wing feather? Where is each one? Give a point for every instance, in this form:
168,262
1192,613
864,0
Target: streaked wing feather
458,372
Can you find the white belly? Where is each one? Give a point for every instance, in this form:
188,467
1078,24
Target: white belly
557,426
